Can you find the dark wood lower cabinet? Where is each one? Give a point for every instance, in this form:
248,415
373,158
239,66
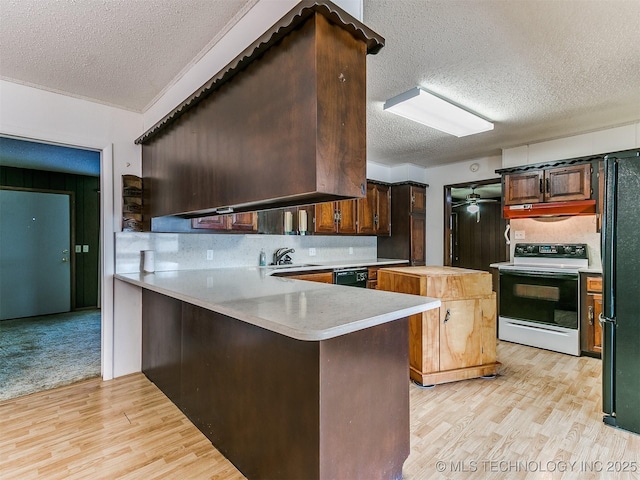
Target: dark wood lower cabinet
283,408
162,342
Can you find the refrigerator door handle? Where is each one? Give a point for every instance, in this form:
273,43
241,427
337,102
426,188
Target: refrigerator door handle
608,239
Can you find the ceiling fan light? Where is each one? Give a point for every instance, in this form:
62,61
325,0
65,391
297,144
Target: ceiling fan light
423,107
473,208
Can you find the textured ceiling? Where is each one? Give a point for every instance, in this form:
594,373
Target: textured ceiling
541,69
118,52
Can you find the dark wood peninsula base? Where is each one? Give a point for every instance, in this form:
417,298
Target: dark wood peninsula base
278,407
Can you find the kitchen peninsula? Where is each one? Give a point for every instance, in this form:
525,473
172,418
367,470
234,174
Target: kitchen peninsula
287,378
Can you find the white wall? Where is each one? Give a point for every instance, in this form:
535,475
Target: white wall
35,114
396,173
604,141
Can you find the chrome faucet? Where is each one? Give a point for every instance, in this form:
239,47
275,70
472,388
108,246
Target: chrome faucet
281,256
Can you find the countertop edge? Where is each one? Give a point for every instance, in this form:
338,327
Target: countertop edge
306,334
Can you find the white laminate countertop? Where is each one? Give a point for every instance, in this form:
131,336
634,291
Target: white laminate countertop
299,309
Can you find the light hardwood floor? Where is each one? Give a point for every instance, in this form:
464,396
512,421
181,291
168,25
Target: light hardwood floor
538,417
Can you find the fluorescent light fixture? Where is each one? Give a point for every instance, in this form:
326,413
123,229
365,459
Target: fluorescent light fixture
423,107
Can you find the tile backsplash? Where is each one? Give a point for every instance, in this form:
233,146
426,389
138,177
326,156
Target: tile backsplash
576,229
187,251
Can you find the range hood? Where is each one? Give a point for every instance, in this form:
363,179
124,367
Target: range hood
283,124
550,209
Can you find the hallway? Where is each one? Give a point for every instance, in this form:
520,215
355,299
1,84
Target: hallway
41,353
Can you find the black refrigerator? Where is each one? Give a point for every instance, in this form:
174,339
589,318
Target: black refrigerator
621,291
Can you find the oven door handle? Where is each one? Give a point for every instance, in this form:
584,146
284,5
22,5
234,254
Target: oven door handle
528,273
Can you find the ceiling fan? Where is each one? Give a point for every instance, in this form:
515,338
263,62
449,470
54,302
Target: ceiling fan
472,202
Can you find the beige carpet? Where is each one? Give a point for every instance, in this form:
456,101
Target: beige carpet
40,353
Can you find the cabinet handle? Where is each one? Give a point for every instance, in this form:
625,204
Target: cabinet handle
541,187
590,315
547,183
447,317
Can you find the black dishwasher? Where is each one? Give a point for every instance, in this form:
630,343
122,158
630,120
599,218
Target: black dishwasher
352,277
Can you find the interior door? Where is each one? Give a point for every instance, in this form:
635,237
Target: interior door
35,259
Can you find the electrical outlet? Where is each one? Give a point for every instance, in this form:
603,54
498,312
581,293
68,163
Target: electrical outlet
78,248
350,250
85,248
209,254
519,234
312,252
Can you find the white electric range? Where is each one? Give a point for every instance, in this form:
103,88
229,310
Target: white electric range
539,296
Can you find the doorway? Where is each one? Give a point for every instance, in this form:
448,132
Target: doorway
50,188
474,227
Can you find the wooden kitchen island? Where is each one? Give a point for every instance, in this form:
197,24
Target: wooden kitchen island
289,379
458,340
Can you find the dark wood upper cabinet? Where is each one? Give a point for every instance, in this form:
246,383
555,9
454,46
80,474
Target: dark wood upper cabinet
523,187
418,195
283,124
347,216
336,217
562,184
568,183
374,211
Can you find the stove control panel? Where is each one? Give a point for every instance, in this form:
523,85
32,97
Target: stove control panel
551,250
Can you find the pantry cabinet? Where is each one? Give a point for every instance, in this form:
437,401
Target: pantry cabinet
408,224
591,308
562,184
458,340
